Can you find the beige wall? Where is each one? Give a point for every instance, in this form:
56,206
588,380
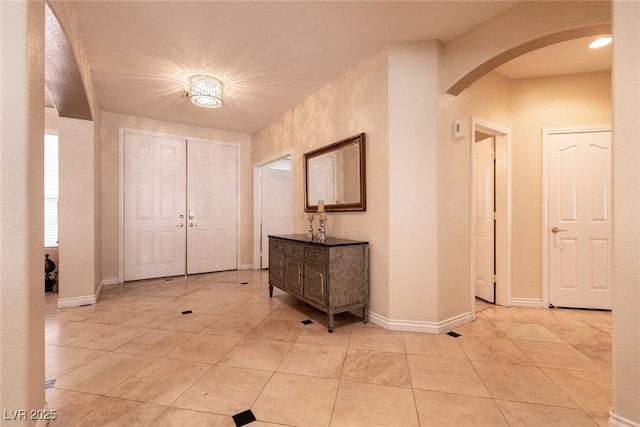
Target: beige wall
80,186
527,26
355,102
565,101
110,127
21,207
489,100
626,213
428,178
76,213
413,195
525,106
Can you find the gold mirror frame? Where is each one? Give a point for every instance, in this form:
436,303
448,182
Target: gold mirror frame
329,175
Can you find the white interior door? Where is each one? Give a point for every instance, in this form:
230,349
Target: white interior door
275,207
154,223
212,205
579,219
485,220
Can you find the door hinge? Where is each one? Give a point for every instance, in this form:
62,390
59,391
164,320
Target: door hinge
495,216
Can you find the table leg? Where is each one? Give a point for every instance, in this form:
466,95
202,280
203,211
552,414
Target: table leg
270,291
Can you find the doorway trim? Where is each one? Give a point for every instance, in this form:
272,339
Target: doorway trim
546,133
503,209
257,201
121,132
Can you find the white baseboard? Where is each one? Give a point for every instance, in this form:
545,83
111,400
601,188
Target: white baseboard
77,301
526,302
110,281
616,420
247,267
420,326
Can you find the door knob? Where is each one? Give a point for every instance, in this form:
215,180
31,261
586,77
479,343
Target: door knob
557,230
180,225
192,225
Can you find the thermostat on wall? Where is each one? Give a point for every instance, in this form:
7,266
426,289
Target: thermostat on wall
458,131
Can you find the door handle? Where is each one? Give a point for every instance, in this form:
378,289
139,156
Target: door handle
557,230
192,225
180,225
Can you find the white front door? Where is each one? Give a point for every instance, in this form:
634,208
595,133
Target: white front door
276,207
211,207
180,206
154,223
579,219
485,220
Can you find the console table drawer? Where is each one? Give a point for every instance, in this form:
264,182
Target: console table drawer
293,250
317,256
276,246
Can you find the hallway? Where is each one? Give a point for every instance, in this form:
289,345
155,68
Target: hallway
198,350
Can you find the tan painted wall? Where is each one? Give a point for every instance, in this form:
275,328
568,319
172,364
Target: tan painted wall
566,101
487,99
413,195
76,212
524,27
21,207
355,102
65,13
110,125
89,254
626,212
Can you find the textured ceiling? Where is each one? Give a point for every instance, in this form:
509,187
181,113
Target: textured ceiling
272,55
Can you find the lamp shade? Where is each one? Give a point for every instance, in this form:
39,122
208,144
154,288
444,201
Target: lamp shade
205,91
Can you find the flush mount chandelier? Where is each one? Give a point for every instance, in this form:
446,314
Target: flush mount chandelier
205,91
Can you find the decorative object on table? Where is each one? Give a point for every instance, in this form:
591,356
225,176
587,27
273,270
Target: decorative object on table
49,267
310,217
321,224
321,227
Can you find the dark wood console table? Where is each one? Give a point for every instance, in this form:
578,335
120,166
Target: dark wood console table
332,276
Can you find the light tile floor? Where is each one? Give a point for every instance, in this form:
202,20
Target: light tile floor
135,359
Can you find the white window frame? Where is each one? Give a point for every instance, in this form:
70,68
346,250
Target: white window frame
51,190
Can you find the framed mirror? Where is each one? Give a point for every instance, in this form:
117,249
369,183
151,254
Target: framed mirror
336,175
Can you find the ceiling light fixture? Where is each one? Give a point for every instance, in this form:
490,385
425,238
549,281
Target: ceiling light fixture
600,42
205,91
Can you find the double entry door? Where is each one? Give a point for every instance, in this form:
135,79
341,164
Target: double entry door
180,206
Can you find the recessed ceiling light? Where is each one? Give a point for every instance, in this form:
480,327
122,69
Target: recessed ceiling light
601,42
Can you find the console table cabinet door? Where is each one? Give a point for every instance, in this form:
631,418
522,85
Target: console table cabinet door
276,268
293,274
315,282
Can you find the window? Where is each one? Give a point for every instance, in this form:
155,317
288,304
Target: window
50,190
